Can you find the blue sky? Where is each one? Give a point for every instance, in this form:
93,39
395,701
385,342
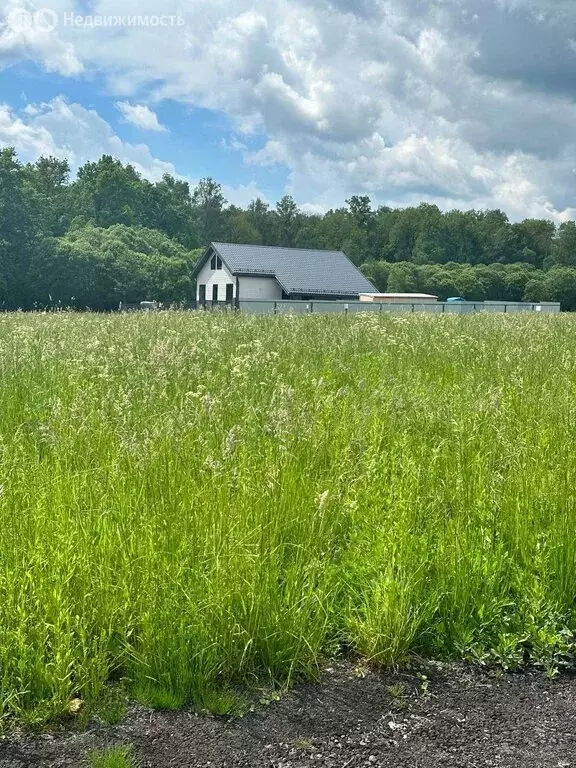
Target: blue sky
462,103
198,142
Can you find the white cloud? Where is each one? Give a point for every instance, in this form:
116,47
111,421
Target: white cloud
30,31
233,144
140,115
71,131
80,135
461,102
243,194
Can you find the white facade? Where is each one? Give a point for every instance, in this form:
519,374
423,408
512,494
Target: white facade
211,277
260,288
251,287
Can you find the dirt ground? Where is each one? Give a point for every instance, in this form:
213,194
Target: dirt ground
460,716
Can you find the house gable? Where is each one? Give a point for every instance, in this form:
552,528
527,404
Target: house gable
214,276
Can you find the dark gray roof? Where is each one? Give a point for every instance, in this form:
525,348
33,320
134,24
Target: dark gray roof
298,270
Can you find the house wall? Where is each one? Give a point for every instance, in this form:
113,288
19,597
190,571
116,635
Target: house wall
260,288
210,277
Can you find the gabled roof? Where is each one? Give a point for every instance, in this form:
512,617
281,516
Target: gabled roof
298,270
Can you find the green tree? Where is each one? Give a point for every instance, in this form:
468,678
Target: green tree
47,188
168,207
402,278
18,234
516,279
403,236
239,227
535,289
560,285
460,238
360,208
259,217
564,246
441,282
107,192
499,240
208,203
535,238
100,267
287,220
377,272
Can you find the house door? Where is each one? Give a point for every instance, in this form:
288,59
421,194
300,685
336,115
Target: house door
215,294
202,295
229,293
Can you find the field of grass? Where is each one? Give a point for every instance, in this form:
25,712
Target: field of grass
194,503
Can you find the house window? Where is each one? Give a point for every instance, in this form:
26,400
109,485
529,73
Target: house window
202,295
214,294
213,262
229,293
218,262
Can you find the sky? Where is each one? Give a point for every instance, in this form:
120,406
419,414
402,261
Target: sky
461,103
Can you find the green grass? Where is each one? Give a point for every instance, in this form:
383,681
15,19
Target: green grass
194,503
112,757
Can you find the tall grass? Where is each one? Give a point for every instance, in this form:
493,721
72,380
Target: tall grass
196,501
113,757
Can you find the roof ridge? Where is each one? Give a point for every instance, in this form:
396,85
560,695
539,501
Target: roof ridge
283,247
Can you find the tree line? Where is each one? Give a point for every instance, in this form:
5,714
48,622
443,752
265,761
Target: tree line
110,235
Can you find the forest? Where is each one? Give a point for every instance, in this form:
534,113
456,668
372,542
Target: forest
108,235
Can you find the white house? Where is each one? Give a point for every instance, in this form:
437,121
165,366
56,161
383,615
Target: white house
228,272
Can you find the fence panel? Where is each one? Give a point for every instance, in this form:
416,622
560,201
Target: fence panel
323,307
362,306
257,307
293,307
265,307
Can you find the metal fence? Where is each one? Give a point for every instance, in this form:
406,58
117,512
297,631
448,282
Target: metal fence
264,307
324,307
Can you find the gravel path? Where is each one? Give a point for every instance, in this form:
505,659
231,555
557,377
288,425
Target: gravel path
459,717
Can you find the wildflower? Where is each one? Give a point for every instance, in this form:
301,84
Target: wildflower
231,442
212,464
74,706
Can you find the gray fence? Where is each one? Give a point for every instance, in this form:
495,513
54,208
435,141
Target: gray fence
441,307
263,307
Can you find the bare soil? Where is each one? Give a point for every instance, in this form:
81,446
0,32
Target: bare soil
461,716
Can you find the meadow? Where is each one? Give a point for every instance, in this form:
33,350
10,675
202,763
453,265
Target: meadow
197,504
